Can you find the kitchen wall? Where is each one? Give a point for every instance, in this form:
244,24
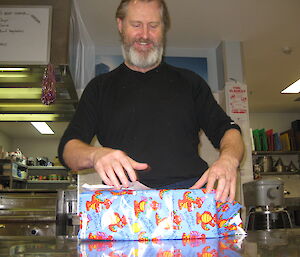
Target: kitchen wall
32,147
5,142
279,122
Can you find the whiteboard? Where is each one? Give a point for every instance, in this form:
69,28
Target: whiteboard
25,34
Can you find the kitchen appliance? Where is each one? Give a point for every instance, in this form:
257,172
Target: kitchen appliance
264,201
28,213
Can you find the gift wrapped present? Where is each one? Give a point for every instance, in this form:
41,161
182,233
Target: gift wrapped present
146,215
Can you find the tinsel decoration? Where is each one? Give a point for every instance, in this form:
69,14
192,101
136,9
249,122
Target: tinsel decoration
48,85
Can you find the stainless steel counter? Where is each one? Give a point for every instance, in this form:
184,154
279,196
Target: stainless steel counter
277,243
292,201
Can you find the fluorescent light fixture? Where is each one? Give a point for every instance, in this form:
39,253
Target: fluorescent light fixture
43,128
292,89
20,93
24,105
14,69
7,75
29,117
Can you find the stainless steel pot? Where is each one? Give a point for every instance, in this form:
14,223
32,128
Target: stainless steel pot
267,163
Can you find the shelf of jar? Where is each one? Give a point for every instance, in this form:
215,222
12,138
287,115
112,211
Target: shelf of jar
46,168
6,177
48,181
275,152
274,173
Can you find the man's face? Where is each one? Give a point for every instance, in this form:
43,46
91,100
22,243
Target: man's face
142,35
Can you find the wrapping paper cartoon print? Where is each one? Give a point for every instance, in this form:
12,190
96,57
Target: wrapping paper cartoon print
146,215
221,247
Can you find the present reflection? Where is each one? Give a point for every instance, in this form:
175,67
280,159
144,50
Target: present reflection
210,247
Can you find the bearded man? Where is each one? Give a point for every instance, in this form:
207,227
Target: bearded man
147,116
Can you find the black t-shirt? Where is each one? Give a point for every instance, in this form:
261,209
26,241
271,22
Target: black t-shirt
155,117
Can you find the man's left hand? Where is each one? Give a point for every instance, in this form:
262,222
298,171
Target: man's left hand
223,171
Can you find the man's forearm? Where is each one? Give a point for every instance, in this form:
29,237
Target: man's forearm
79,155
232,146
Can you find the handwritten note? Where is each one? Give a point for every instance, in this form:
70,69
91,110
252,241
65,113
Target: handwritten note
25,34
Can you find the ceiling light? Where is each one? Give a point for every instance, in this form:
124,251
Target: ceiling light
286,50
14,69
43,128
292,89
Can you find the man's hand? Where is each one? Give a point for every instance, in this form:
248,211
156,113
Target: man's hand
223,171
112,165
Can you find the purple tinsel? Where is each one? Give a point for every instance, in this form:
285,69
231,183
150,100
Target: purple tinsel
48,85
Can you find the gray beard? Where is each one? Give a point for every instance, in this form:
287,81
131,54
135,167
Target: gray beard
144,61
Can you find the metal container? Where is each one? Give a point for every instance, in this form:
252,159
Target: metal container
267,163
263,219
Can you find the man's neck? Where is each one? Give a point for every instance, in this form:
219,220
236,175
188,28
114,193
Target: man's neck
143,70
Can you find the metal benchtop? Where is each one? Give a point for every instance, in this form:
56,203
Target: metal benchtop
281,242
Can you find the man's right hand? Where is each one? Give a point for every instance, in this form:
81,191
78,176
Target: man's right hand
112,165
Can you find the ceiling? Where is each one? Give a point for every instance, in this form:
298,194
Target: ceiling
265,28
21,130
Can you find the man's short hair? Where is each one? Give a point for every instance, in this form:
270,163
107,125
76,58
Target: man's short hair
122,9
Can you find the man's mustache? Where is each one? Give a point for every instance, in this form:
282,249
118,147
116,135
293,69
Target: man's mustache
144,41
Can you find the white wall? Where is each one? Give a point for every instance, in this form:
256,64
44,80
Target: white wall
279,122
31,147
5,142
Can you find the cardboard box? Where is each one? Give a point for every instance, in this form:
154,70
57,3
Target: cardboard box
146,215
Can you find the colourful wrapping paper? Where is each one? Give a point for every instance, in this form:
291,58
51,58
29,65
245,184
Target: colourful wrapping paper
221,247
152,215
